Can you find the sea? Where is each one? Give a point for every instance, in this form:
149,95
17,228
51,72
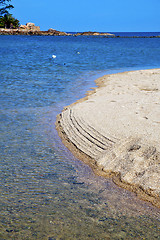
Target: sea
45,192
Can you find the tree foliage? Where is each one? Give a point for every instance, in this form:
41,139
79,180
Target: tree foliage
8,21
4,7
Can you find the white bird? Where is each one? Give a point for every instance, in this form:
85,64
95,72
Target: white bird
53,56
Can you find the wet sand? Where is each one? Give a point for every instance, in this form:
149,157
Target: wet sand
116,130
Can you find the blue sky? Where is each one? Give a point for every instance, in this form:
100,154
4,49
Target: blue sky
90,15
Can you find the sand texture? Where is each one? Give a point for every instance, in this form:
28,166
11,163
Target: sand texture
116,130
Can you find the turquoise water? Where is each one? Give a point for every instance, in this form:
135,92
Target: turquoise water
46,193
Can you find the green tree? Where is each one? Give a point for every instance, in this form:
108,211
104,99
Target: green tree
8,21
4,7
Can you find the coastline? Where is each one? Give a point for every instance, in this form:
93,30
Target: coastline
115,130
52,32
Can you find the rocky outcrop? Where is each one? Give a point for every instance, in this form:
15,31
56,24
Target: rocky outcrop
31,29
26,31
54,32
89,33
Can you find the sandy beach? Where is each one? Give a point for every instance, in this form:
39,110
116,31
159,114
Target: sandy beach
116,130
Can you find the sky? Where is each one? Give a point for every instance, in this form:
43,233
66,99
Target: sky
90,15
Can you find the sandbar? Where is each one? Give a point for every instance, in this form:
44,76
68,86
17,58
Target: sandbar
116,130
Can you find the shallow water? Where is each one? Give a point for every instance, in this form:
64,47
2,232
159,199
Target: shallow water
45,192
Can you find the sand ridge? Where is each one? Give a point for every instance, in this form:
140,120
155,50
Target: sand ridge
116,130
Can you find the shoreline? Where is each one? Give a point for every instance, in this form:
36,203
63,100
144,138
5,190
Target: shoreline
53,32
130,155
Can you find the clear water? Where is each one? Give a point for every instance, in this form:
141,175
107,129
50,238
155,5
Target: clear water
45,193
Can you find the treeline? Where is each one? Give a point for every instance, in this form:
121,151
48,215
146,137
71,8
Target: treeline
6,19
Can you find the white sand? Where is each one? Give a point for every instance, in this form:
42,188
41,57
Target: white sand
118,126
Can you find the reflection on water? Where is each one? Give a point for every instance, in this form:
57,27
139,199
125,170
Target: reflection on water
46,193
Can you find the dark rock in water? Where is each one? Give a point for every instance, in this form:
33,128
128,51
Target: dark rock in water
78,183
89,33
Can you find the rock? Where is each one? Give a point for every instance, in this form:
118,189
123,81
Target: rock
89,33
22,27
51,30
29,27
54,32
